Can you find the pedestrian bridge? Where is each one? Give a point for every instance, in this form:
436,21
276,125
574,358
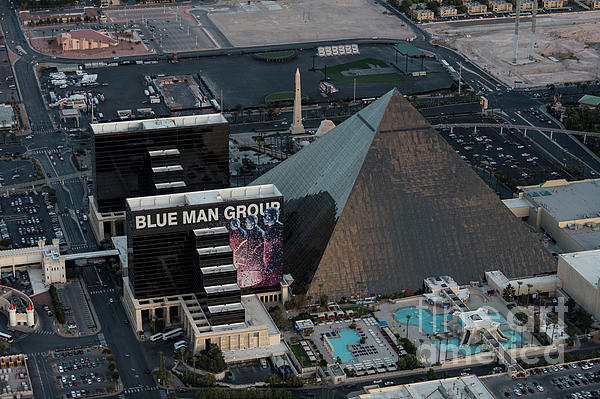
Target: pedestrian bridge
524,128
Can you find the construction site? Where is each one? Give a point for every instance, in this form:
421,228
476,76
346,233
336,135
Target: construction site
561,48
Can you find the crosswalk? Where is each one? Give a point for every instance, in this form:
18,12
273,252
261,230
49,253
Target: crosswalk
38,353
45,332
103,291
141,388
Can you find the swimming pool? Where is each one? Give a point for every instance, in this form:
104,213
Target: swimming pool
429,323
346,337
513,342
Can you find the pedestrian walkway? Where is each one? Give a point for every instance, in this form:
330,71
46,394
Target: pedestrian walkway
140,389
104,291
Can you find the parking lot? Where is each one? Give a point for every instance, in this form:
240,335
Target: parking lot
16,171
77,311
510,156
570,381
81,373
29,218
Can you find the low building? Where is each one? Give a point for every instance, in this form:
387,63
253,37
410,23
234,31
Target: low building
526,5
589,101
501,6
448,388
568,212
548,283
45,18
594,4
7,117
421,12
550,4
580,276
447,11
84,39
109,3
15,377
476,8
48,256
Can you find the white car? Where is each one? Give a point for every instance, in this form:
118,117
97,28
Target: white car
376,381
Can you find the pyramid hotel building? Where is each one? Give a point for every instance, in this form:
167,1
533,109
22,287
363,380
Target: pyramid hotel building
374,206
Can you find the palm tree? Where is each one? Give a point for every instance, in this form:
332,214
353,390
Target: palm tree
408,317
520,291
529,287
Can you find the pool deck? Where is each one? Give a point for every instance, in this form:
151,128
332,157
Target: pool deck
382,350
429,349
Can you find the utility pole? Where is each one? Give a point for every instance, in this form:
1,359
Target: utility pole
516,40
354,92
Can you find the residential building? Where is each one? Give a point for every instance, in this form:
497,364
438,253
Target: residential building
447,11
84,39
476,8
421,12
527,5
594,4
549,4
501,6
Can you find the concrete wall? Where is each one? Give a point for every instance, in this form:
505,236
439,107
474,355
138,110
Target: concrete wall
582,291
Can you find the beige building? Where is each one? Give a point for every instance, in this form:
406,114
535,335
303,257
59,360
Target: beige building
501,6
105,224
526,5
15,377
580,274
568,212
549,283
33,18
553,3
447,11
594,4
48,256
421,12
84,39
476,8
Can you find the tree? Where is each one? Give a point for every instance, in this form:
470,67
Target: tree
508,293
407,323
115,376
272,379
208,380
324,300
570,304
431,374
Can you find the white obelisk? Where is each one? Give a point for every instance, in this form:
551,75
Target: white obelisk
297,126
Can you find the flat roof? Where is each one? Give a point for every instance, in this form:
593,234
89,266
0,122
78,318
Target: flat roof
257,315
218,269
585,263
162,153
454,388
157,124
170,168
407,48
203,197
589,100
215,289
213,250
211,231
229,307
567,201
513,203
172,184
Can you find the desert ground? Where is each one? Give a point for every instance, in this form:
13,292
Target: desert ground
573,40
270,22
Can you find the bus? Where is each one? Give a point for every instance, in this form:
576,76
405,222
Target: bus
6,337
178,345
173,333
156,337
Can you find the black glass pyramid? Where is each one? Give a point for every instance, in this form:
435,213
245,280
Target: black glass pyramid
382,201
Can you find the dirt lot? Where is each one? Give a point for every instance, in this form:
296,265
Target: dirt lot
573,39
307,20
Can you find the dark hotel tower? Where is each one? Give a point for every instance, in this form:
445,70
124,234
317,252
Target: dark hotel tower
159,156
